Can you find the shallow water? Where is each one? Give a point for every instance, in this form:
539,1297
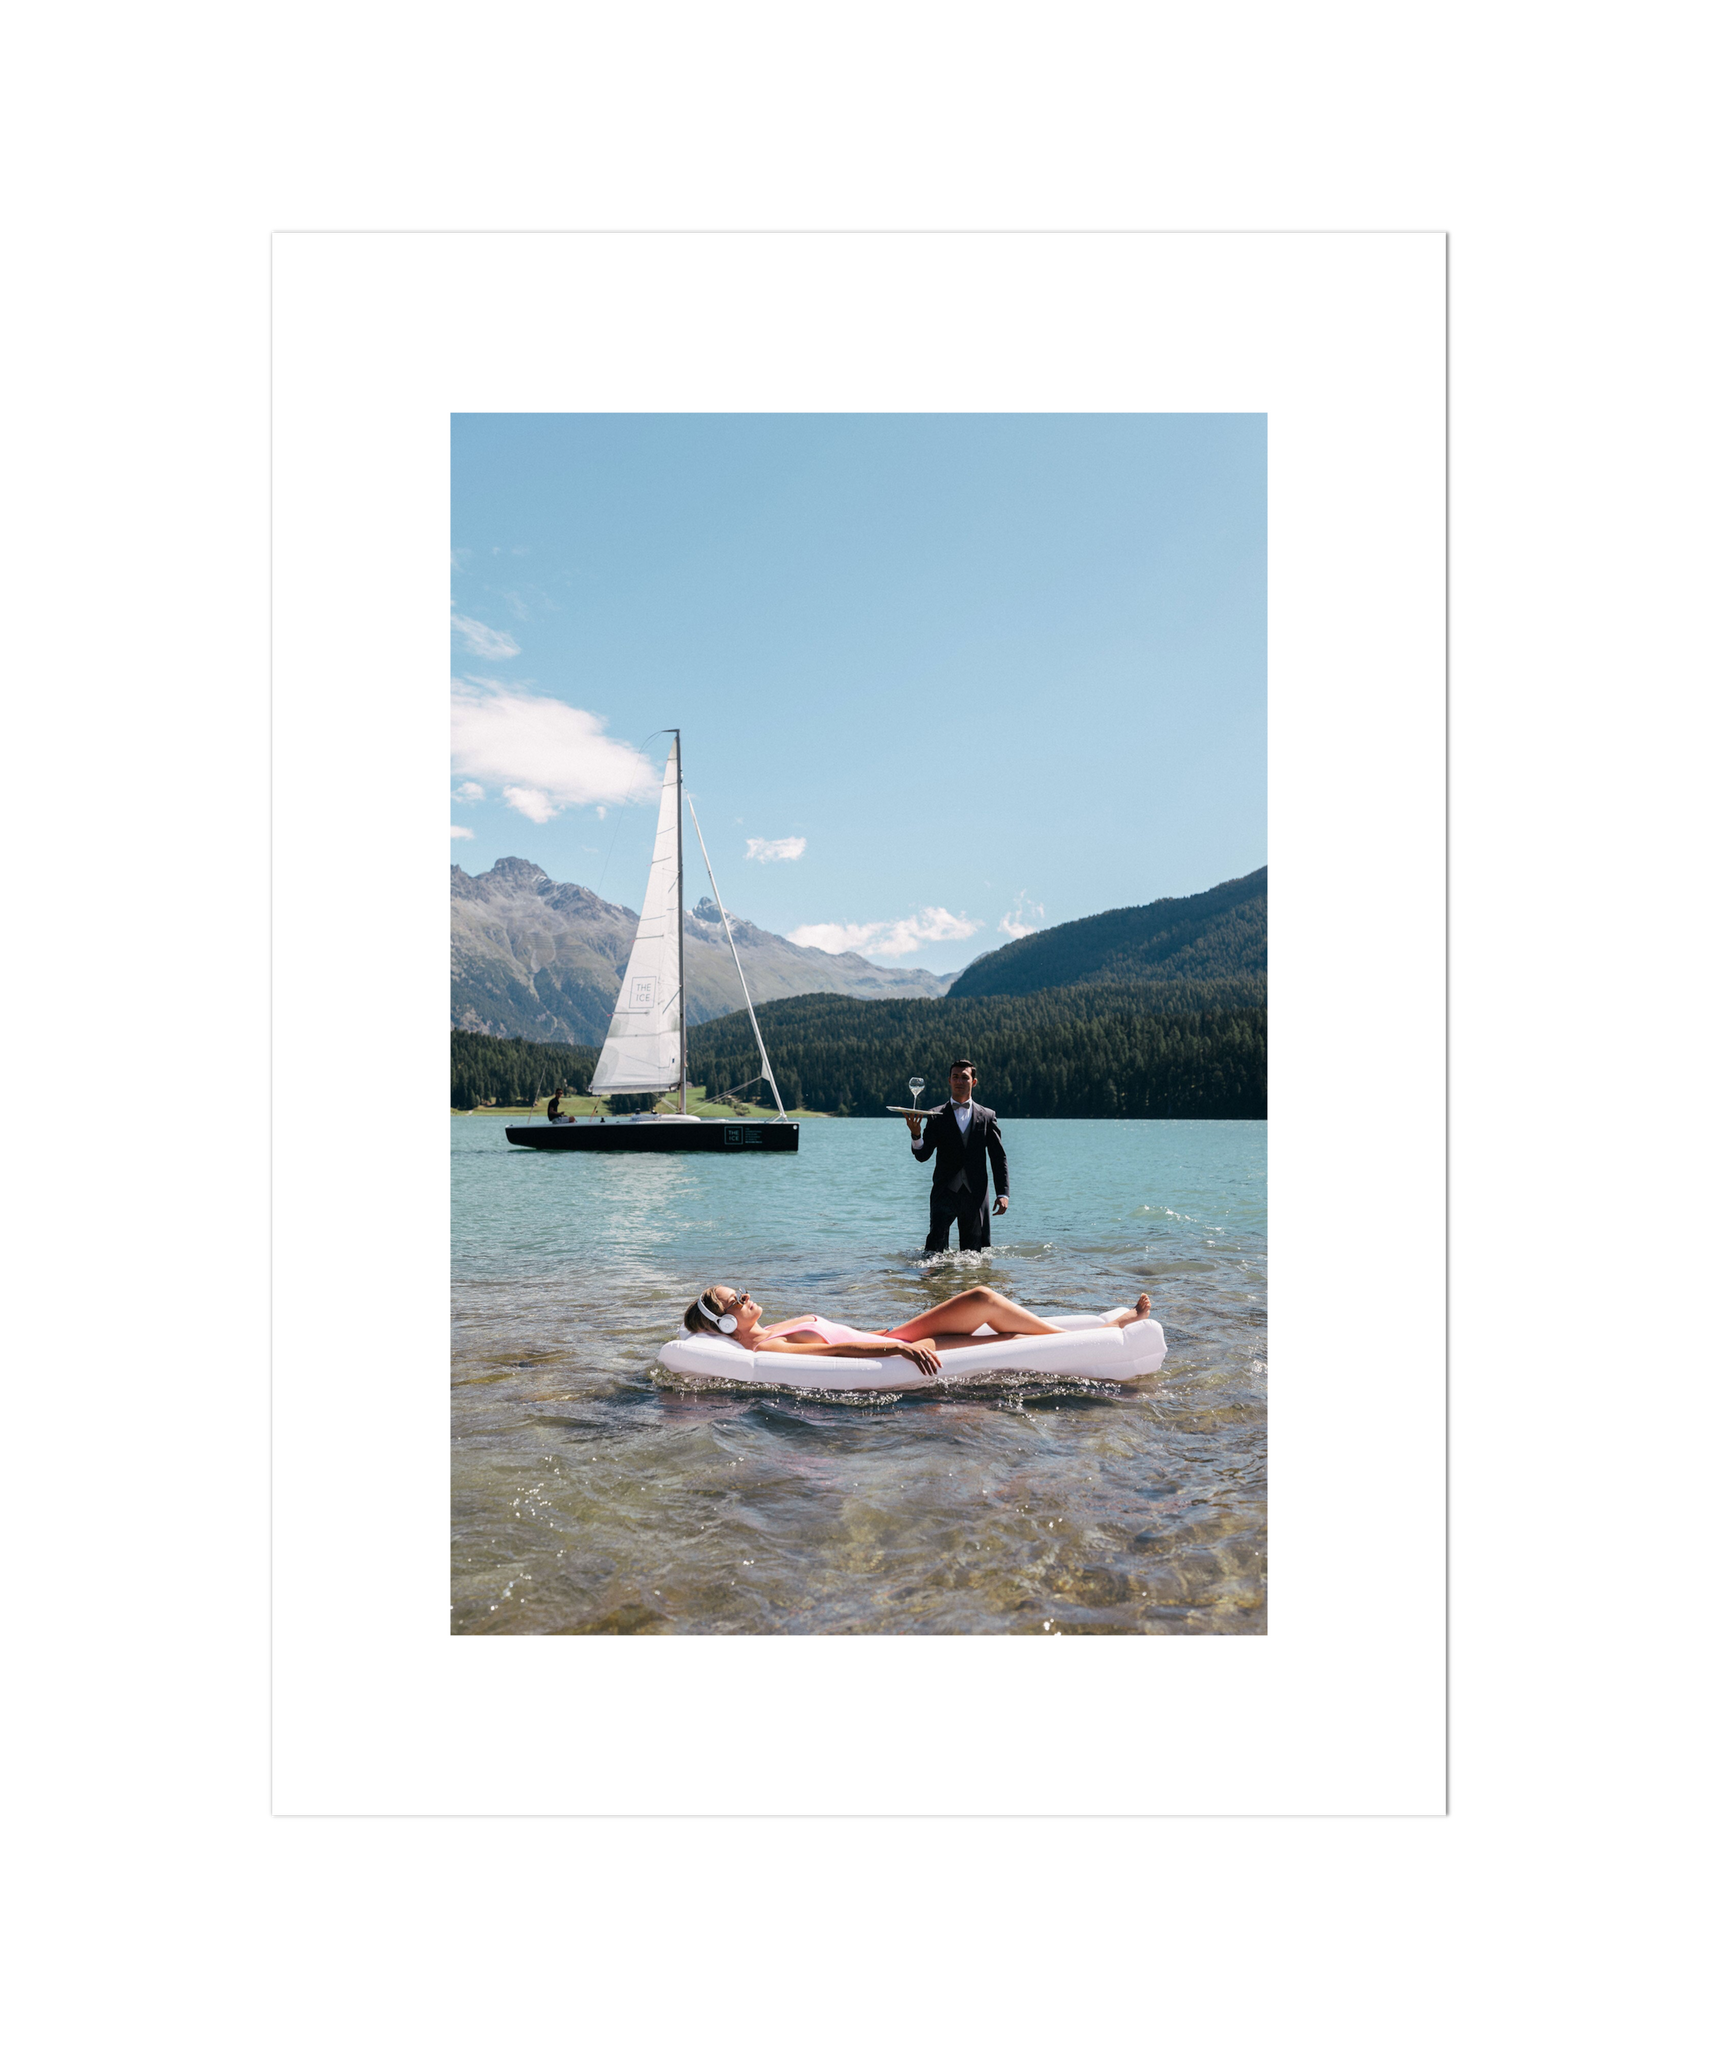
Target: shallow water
594,1492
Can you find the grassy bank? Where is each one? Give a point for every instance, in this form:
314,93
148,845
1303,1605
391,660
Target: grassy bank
696,1105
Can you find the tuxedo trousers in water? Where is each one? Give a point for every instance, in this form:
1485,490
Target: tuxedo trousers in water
972,1219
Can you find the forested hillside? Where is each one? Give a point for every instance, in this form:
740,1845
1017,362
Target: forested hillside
514,1070
1084,1052
1218,936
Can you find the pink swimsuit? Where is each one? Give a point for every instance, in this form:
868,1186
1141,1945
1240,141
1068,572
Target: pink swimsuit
827,1332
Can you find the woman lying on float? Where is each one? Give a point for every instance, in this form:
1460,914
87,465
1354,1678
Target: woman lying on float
950,1326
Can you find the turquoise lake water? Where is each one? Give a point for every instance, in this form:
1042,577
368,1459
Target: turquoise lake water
595,1492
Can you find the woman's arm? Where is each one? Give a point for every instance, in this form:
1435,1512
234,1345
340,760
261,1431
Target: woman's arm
923,1355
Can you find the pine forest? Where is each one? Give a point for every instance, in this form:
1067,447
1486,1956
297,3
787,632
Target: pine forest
1096,1051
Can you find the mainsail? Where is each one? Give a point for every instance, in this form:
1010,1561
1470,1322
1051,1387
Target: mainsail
641,1054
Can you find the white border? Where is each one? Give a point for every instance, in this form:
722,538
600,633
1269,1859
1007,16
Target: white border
1340,340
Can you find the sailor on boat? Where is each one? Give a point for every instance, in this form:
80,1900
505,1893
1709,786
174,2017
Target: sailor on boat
556,1114
949,1326
960,1135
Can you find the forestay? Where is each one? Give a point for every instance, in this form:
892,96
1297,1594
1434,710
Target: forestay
641,1054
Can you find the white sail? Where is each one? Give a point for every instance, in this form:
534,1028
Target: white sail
641,1053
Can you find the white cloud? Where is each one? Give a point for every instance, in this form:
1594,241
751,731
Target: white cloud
534,804
484,641
458,557
833,938
469,793
460,832
888,938
1014,923
546,755
774,849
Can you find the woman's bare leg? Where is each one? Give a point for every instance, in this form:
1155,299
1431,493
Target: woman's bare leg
954,1321
961,1316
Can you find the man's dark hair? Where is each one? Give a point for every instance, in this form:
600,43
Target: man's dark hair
954,1065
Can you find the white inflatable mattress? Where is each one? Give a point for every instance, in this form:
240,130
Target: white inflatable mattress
1084,1347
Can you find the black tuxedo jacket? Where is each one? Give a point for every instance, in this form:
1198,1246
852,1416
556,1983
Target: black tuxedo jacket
960,1162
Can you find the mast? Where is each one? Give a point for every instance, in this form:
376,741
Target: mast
680,901
768,1072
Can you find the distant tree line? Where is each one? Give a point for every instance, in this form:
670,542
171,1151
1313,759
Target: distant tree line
513,1072
1096,1051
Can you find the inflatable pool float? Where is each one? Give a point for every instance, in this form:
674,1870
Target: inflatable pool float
1084,1348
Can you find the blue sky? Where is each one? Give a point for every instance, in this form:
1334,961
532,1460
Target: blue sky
941,677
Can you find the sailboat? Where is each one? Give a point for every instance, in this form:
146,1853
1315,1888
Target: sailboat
645,1050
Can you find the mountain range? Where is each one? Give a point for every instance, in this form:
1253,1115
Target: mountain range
541,959
1216,939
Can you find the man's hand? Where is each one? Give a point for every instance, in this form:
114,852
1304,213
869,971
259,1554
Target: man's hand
1002,1205
913,1123
924,1356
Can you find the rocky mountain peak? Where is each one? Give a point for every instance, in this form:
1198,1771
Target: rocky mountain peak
510,872
707,913
574,896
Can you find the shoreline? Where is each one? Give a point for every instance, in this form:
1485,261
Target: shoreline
587,1108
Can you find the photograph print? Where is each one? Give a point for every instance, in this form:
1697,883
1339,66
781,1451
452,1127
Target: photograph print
858,1024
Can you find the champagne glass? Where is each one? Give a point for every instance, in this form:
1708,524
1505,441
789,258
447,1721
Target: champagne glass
917,1084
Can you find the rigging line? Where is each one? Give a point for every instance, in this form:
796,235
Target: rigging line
768,1072
733,1094
619,820
620,810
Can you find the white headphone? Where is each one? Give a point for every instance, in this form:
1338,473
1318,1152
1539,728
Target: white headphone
726,1324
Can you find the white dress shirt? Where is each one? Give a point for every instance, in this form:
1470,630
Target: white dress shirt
963,1117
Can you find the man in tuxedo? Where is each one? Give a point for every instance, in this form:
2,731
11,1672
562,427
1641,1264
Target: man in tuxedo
961,1135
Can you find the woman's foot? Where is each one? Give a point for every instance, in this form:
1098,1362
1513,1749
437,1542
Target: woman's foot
1137,1314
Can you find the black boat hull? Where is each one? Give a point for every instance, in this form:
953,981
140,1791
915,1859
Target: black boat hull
715,1134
